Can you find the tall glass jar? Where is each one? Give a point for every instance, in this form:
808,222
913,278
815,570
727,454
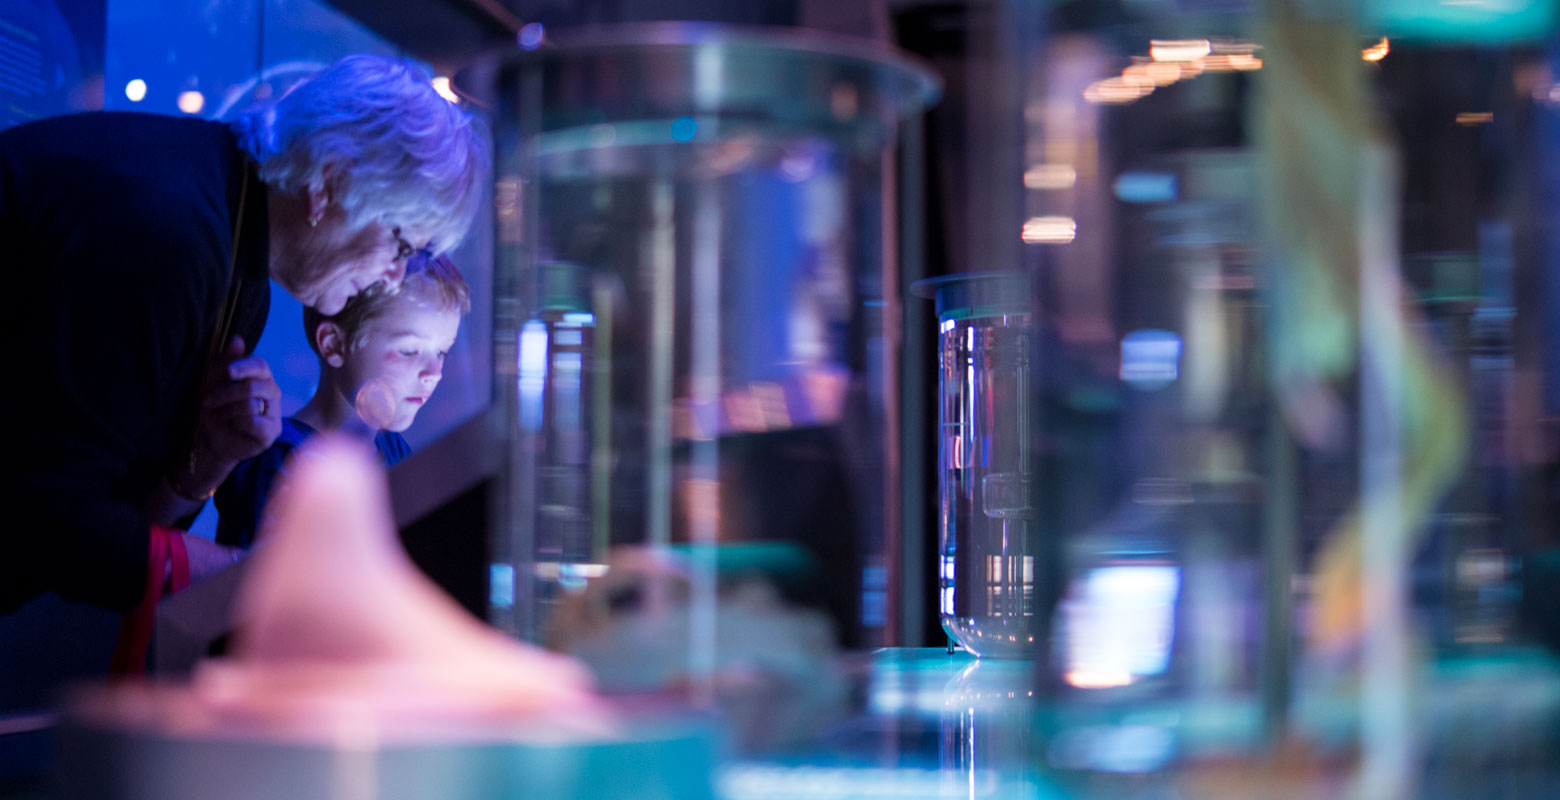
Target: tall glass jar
724,196
987,600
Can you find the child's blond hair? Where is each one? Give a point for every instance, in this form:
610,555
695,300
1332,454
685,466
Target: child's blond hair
433,277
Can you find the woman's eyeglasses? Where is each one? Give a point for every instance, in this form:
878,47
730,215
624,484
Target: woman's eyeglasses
403,248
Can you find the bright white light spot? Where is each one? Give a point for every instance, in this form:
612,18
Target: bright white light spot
1377,51
1050,230
1179,49
1089,679
1118,623
441,85
136,90
191,102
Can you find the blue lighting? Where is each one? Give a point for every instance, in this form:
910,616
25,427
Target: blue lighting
501,585
1146,187
1150,359
533,373
531,36
683,128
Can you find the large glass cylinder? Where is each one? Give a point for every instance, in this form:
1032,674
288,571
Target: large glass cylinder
697,312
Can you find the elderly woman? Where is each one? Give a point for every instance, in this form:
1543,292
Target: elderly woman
140,251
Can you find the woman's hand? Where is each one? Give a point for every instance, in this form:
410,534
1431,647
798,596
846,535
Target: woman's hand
239,416
207,557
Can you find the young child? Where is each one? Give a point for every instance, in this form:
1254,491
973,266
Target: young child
380,358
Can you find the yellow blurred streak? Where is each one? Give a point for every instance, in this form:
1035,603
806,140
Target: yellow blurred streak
1377,51
1218,63
1050,176
1163,73
1139,75
1114,90
1245,62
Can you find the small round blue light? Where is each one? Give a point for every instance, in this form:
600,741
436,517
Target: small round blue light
531,35
683,129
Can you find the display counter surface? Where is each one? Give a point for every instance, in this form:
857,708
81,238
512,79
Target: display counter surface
929,724
1483,723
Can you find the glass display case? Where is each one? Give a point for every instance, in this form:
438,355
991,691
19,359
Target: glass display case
697,336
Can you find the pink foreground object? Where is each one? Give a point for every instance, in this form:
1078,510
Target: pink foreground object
338,633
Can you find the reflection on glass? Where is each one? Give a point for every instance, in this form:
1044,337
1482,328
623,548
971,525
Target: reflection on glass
986,724
556,391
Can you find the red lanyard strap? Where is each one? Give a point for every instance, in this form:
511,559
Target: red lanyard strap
166,556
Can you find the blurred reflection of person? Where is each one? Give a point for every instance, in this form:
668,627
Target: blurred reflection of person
380,358
148,244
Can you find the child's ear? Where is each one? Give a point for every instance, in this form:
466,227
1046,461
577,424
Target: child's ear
332,343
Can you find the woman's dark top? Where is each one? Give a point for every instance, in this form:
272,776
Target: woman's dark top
115,230
241,498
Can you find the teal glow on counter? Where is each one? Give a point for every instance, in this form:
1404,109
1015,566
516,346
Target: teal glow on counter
1460,21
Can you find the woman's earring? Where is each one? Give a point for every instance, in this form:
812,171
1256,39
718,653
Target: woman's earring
314,222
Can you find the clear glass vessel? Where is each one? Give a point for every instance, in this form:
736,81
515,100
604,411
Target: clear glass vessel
704,213
987,567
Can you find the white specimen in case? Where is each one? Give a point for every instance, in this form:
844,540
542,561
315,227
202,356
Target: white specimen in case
335,622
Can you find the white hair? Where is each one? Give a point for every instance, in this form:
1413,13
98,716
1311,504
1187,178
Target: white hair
374,132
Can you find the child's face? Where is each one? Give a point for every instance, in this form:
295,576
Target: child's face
402,352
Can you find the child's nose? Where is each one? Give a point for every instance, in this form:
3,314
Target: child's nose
432,370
